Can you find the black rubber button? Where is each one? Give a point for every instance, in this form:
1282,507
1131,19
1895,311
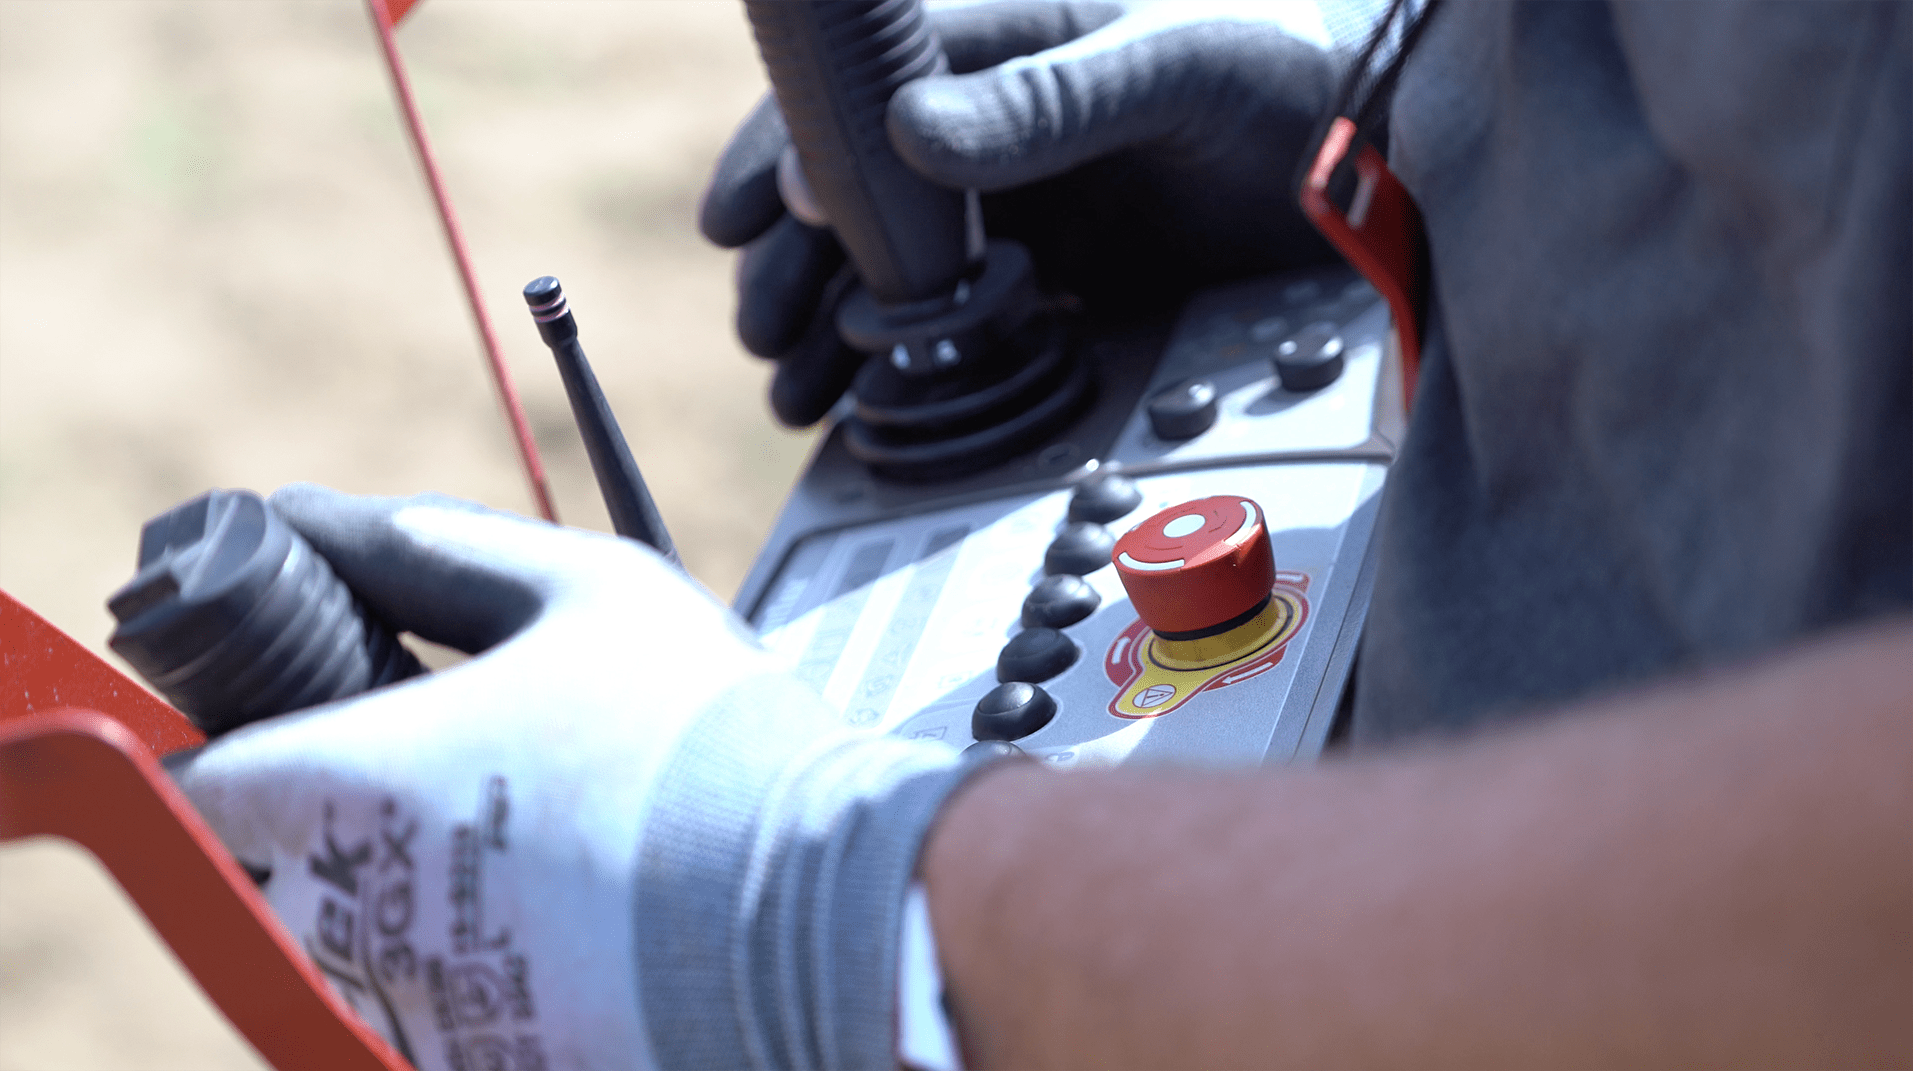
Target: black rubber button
1311,359
1035,654
1103,498
1059,601
1080,548
1011,712
1183,411
987,750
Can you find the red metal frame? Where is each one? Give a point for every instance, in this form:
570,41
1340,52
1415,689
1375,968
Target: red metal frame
79,748
93,777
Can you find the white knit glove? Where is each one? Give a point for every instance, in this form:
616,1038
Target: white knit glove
617,838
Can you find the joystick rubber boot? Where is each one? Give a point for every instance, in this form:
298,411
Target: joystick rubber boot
1199,568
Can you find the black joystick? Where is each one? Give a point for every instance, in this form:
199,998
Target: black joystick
968,365
234,617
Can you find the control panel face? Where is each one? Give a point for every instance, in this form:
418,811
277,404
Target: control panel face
900,624
908,620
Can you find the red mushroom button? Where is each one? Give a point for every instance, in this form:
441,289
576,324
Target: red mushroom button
1198,568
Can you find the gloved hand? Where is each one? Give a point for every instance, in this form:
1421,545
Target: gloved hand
1139,153
616,838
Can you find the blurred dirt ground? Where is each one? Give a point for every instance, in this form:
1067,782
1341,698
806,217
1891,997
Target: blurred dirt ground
219,267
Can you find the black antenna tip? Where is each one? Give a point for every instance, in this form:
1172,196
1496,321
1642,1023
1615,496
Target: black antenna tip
547,301
543,290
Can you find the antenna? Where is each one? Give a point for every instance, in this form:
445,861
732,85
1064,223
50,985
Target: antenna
633,514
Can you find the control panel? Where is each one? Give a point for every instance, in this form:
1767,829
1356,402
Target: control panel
1180,573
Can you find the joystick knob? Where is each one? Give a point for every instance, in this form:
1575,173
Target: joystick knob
1199,568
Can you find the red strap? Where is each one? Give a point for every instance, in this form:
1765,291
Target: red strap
385,15
1380,234
394,11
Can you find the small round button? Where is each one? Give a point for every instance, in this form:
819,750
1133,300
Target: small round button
1183,411
1311,359
1060,601
1198,568
1011,712
1268,330
1103,498
1035,654
990,750
1079,548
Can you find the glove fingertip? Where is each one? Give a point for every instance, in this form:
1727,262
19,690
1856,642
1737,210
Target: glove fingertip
781,283
804,389
814,373
732,216
741,201
302,496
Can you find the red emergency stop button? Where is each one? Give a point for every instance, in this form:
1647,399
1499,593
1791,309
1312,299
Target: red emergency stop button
1199,568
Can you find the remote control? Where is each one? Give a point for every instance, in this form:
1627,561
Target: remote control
898,601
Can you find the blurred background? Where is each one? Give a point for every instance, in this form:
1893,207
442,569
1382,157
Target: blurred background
219,267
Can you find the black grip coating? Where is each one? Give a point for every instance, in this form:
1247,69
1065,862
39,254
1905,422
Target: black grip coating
834,65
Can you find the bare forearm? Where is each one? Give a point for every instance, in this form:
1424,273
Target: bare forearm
1716,873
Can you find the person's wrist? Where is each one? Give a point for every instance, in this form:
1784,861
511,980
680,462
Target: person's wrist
926,1037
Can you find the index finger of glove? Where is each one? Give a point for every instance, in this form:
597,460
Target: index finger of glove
450,571
1190,87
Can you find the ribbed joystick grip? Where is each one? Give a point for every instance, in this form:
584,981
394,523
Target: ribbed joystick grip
834,66
234,617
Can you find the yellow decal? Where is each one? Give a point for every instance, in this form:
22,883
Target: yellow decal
1154,676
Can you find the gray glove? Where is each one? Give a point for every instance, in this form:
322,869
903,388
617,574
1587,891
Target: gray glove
1139,154
616,838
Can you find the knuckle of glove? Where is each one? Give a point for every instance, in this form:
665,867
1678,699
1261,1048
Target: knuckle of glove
978,36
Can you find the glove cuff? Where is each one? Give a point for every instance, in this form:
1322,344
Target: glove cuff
776,854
